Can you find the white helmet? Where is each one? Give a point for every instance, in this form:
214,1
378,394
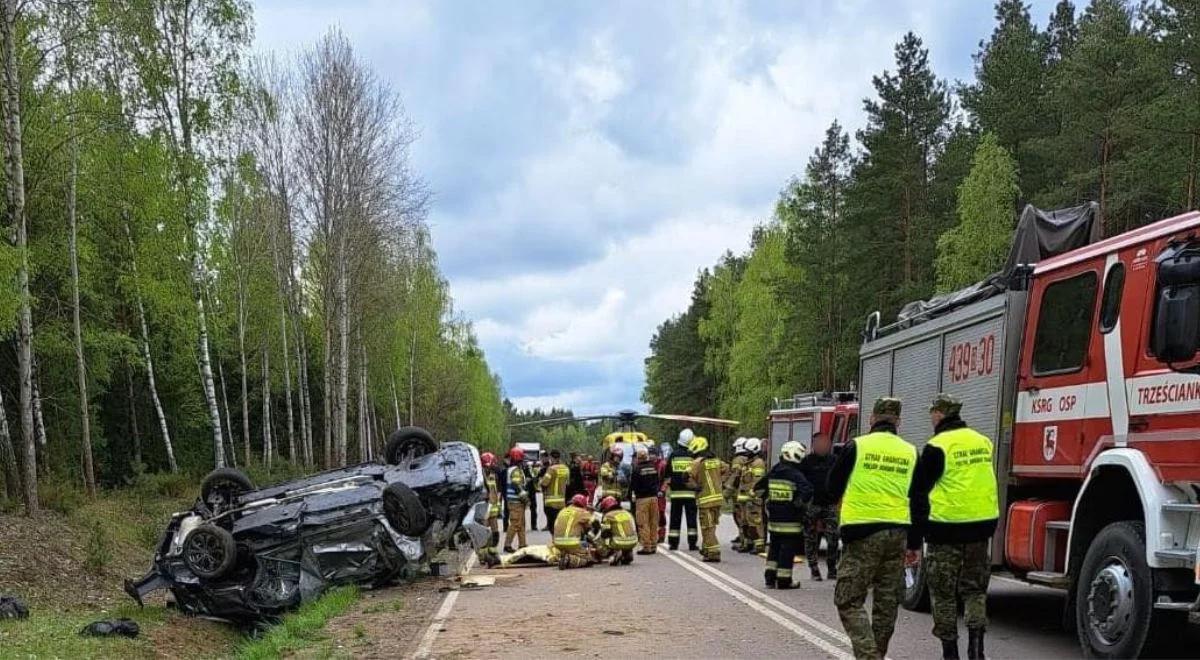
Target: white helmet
685,437
739,444
752,445
792,451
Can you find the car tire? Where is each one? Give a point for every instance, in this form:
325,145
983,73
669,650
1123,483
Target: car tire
221,486
209,552
916,588
408,443
1116,581
404,511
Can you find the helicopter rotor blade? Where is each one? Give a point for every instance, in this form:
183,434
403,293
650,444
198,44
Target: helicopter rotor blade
561,420
712,421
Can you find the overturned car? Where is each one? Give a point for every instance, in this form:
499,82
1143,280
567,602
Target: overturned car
247,553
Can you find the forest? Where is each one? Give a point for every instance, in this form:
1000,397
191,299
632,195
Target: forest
1097,103
212,256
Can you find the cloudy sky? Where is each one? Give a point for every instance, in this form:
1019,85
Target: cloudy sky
588,158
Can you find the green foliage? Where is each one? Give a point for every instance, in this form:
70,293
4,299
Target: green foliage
978,245
98,549
300,629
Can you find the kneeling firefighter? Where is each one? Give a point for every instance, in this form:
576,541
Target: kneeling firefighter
786,492
570,530
617,536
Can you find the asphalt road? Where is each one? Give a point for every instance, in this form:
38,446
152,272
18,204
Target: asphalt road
673,605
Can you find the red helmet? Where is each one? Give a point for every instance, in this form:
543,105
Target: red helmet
488,459
609,503
617,452
580,501
516,454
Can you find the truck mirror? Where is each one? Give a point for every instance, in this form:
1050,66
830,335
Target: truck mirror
1177,323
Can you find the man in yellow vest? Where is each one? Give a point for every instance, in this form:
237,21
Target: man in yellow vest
554,487
955,508
617,534
707,474
873,476
570,534
610,472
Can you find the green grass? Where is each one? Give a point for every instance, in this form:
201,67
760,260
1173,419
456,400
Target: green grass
56,635
300,629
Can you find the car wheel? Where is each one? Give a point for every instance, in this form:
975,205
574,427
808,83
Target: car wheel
404,511
408,443
209,552
221,488
916,589
1114,595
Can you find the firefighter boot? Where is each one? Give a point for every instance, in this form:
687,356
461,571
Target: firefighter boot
784,583
950,649
769,578
816,574
975,644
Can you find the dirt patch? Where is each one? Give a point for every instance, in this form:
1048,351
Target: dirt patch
384,623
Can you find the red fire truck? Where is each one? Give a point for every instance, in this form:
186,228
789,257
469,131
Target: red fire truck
799,417
1083,370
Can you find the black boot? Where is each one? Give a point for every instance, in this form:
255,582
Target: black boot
832,573
950,649
975,644
784,583
769,578
816,574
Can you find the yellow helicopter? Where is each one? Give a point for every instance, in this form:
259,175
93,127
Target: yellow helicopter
627,435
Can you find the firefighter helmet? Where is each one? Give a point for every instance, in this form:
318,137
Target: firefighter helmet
752,445
685,438
739,444
580,501
488,459
698,444
616,452
607,504
516,454
792,451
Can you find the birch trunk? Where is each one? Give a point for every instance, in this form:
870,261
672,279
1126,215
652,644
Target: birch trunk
150,380
396,402
85,416
8,457
268,450
133,421
206,372
245,376
232,446
287,384
344,360
326,402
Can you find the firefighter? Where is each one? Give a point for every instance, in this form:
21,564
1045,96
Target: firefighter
752,509
488,555
554,487
822,519
570,534
610,471
732,485
786,492
955,509
617,536
660,464
645,486
681,494
873,476
515,496
706,475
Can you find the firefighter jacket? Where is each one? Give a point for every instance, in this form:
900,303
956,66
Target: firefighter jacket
734,479
554,485
619,529
752,472
609,481
681,466
514,484
786,492
570,526
706,474
493,494
645,482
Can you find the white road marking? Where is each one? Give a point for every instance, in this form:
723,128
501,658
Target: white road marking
425,649
800,631
832,633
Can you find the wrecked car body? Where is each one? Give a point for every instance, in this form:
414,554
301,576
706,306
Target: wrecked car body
245,553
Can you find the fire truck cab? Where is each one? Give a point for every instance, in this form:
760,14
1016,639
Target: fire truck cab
800,416
1082,369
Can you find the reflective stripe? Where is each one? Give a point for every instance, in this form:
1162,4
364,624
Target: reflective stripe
772,565
710,489
681,464
683,494
785,527
565,524
554,482
966,491
781,490
743,498
878,487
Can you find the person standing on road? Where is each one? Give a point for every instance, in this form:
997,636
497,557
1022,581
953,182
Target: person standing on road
575,484
752,508
487,555
873,477
554,487
955,509
570,532
706,474
822,519
661,465
515,496
786,492
731,487
681,494
610,473
646,486
533,478
617,534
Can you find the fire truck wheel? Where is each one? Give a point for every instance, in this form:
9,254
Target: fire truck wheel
1114,596
916,591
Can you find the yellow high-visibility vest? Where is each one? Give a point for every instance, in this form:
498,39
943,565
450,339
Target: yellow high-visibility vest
554,485
567,527
966,492
710,483
622,529
878,488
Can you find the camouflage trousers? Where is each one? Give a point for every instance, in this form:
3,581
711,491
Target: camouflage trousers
821,521
953,572
873,565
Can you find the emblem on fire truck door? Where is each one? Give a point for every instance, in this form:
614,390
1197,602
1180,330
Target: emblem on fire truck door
1049,442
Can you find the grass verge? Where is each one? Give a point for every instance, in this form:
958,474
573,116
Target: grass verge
300,629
